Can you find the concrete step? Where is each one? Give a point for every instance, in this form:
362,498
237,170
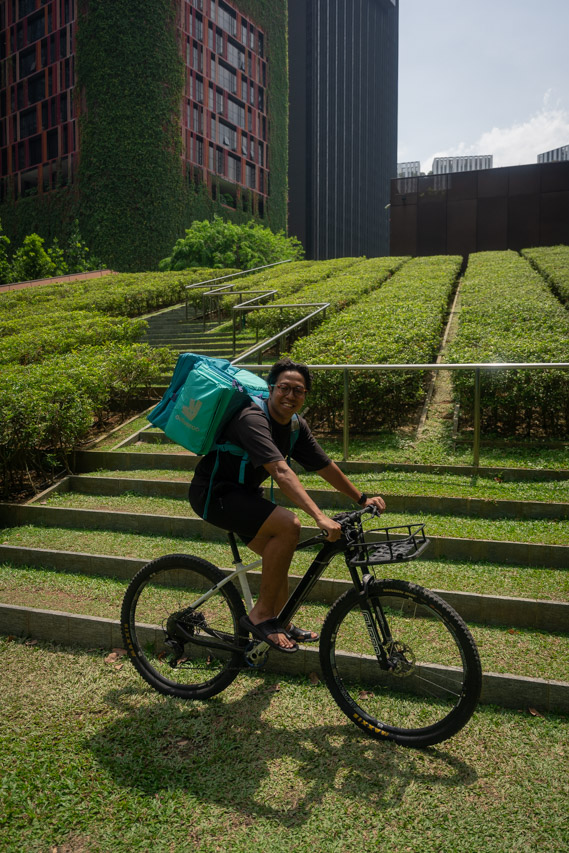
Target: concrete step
512,691
476,608
529,554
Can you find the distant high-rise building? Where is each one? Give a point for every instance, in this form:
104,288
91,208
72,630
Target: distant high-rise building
448,165
342,124
137,149
555,155
409,169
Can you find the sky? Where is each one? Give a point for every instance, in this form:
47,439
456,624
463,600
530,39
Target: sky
485,77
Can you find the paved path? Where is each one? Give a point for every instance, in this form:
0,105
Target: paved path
20,285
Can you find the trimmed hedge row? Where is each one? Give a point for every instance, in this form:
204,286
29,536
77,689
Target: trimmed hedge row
401,322
553,264
290,278
122,294
65,332
508,314
257,281
47,409
340,289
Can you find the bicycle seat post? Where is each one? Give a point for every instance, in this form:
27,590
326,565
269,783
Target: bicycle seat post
243,580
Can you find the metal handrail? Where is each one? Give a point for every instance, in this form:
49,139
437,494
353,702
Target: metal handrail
243,306
264,345
231,275
477,367
221,291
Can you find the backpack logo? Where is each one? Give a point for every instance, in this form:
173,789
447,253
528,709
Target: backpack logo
192,409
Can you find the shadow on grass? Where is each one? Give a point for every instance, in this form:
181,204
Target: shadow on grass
226,753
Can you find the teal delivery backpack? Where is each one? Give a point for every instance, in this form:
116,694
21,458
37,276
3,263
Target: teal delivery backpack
203,395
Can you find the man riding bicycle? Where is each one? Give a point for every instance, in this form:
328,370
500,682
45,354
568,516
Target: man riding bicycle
237,503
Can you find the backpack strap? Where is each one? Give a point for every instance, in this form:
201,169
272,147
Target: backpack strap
228,447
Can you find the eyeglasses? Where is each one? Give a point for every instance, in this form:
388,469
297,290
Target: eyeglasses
286,389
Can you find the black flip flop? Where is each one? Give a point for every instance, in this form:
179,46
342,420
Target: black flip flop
300,635
262,631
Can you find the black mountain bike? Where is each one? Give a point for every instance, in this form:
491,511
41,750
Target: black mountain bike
398,660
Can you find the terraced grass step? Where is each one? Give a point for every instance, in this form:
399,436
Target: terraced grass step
477,578
93,460
161,516
482,609
535,655
114,495
116,483
394,482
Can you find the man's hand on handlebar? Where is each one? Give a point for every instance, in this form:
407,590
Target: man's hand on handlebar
330,528
376,502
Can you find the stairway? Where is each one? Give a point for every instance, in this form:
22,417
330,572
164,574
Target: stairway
169,328
135,508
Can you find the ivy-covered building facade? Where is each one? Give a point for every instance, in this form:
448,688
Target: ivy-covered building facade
139,117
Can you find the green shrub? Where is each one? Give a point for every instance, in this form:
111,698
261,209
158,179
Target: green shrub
220,244
47,409
31,261
400,323
552,262
508,314
65,332
340,283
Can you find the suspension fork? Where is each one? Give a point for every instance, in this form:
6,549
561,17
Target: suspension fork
374,618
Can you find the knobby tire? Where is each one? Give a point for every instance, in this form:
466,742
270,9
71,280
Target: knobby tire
157,602
434,688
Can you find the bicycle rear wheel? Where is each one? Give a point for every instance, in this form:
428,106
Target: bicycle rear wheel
177,649
433,688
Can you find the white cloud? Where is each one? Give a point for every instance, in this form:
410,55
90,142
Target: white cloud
520,143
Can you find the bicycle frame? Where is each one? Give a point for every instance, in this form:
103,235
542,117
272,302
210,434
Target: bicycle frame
379,639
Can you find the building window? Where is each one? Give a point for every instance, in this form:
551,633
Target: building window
28,61
250,176
235,113
220,162
199,152
198,27
228,136
218,101
234,169
227,79
36,27
235,56
28,123
227,19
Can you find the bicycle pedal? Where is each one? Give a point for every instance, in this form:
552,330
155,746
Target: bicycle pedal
253,658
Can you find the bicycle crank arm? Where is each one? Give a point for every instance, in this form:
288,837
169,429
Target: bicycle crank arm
213,641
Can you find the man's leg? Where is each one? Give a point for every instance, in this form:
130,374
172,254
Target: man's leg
275,541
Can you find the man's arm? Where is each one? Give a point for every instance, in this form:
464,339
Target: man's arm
290,485
333,475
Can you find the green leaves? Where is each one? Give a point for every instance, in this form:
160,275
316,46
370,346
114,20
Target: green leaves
220,244
508,314
400,322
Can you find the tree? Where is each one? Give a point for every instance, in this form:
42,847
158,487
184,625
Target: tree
221,245
31,260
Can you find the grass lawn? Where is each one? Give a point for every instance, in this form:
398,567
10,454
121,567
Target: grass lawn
93,760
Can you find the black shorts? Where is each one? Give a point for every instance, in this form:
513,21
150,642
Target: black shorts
237,508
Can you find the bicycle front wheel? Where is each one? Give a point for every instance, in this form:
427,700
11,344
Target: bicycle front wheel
180,649
434,678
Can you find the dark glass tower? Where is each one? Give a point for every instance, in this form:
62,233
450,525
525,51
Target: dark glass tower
342,124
